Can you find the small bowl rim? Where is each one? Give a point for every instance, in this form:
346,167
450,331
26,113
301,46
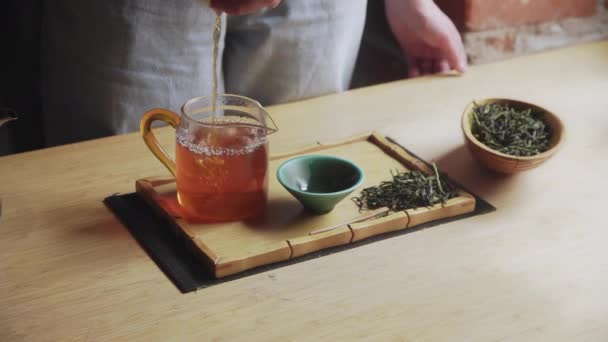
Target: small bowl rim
320,156
469,134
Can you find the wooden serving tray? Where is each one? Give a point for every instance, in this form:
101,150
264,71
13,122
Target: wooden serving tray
285,231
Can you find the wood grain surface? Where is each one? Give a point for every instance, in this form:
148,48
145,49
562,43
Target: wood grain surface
535,270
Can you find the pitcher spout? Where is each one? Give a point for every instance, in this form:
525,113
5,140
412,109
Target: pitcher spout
269,125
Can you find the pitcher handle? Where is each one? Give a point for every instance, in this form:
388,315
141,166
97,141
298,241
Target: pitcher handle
146,133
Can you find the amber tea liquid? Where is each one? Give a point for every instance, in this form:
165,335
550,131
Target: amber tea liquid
222,176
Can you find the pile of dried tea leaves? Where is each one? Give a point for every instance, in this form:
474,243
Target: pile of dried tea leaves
407,190
518,132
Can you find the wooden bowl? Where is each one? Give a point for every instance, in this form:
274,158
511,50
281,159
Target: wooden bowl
504,163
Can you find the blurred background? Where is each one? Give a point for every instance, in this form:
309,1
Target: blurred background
492,30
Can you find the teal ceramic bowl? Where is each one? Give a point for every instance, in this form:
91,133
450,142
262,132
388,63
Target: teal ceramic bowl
319,182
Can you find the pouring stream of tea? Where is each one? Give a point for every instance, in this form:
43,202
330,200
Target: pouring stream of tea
217,32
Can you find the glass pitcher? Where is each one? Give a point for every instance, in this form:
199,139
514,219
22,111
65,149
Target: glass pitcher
221,160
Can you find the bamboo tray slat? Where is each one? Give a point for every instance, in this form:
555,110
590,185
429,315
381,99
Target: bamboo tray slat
285,231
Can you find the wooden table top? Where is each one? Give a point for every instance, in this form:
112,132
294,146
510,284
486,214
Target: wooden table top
536,269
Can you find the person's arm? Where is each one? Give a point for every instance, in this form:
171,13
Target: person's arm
238,7
428,38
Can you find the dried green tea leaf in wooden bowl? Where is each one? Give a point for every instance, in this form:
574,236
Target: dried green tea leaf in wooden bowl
510,136
510,130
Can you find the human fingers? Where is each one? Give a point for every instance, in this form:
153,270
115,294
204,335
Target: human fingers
441,66
413,71
425,65
441,33
452,49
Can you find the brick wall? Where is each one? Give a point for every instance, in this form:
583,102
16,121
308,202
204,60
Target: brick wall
499,29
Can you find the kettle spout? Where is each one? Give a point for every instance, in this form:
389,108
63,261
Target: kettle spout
7,115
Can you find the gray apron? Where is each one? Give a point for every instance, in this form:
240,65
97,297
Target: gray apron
104,63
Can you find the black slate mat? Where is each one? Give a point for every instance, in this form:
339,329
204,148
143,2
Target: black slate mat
180,264
171,253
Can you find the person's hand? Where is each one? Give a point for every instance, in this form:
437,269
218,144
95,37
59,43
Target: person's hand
428,38
238,7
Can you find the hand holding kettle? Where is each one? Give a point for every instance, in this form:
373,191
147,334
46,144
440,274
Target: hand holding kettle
239,7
